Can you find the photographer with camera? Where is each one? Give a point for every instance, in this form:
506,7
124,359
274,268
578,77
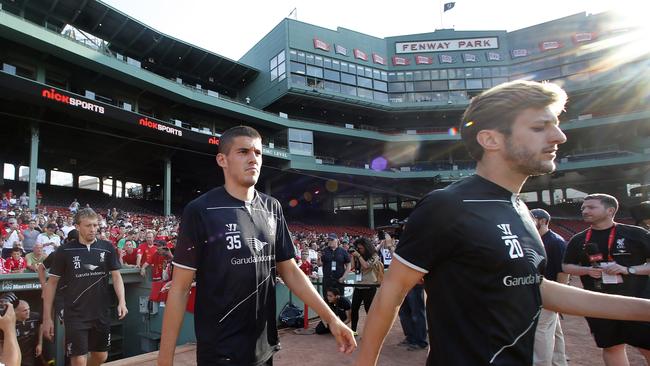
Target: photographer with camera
369,271
10,355
386,247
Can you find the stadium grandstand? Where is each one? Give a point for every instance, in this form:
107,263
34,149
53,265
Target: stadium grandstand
99,107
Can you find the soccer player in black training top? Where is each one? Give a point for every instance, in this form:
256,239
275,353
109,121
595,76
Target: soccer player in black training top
477,247
235,240
621,251
85,265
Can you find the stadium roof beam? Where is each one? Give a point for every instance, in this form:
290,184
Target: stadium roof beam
135,39
198,63
119,29
79,11
99,21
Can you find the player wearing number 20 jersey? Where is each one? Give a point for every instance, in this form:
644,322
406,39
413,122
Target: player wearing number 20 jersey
483,260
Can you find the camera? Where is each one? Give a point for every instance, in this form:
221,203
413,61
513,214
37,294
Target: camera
352,249
8,298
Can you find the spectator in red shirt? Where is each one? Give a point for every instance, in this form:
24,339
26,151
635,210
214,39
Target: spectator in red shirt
305,264
128,255
146,250
16,263
159,264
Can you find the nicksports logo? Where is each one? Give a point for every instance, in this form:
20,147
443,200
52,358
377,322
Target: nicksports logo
52,94
146,122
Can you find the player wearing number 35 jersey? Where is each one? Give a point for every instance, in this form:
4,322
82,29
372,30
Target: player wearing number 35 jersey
235,240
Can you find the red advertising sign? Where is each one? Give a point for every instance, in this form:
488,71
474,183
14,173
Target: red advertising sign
378,59
401,61
550,45
321,45
360,54
423,60
584,37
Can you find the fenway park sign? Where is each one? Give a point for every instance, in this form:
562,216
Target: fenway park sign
447,45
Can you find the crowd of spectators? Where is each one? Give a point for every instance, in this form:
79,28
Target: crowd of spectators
28,237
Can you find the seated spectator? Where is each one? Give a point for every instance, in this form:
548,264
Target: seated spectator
30,235
128,255
67,227
16,263
28,332
340,306
35,258
49,239
305,263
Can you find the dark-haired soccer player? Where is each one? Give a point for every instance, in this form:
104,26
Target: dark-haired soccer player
235,240
85,265
477,247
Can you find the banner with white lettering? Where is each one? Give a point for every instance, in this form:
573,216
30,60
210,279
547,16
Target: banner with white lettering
550,45
446,59
360,54
493,56
401,61
519,52
447,45
321,45
584,37
469,57
423,60
378,59
340,50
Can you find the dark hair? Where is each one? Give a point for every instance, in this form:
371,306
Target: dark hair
226,139
369,251
607,200
498,107
16,249
72,235
334,291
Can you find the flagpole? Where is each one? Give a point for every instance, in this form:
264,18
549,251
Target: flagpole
440,9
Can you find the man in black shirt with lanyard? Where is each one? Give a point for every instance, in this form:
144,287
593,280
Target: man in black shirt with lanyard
85,265
235,240
477,247
611,258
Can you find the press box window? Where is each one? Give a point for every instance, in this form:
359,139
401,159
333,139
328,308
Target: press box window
277,66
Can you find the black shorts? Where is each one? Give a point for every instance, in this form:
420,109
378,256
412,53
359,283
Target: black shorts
609,333
88,336
206,356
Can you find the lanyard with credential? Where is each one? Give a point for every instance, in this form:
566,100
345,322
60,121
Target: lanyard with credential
610,241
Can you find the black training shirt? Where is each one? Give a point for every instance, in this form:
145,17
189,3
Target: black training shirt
631,247
234,247
85,270
482,256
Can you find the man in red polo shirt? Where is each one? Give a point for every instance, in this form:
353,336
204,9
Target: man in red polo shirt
146,251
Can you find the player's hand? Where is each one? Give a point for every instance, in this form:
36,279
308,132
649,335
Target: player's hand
47,328
122,311
39,350
614,269
595,272
344,336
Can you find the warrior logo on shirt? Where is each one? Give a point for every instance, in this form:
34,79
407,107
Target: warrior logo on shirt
533,257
